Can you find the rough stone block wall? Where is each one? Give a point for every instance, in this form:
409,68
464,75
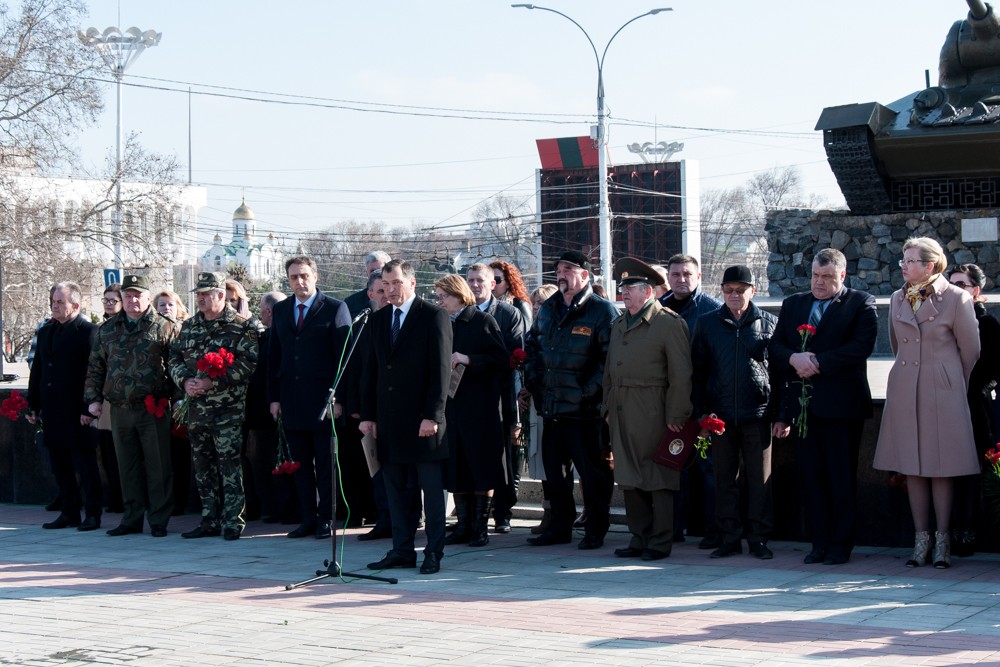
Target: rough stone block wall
872,244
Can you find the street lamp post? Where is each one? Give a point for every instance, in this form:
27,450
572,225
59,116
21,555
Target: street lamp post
603,215
119,50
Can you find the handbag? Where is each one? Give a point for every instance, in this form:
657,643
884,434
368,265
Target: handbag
675,449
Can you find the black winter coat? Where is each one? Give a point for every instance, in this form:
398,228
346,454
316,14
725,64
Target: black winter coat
731,377
566,353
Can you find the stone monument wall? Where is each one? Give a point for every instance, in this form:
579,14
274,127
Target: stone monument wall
873,245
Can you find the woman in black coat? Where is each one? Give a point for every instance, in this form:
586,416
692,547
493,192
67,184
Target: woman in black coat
967,509
475,429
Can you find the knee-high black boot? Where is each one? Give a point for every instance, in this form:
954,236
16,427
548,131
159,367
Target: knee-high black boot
481,522
463,511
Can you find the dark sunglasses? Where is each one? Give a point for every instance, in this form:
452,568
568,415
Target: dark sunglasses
961,283
498,279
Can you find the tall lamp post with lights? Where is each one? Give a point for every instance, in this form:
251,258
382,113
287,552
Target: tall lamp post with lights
604,218
119,50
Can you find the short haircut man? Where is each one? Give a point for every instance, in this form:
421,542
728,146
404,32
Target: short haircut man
55,396
403,406
307,335
827,436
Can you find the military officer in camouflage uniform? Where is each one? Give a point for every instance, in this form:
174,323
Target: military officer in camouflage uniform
128,363
216,405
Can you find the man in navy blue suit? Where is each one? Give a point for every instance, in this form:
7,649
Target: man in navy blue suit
303,356
403,398
834,364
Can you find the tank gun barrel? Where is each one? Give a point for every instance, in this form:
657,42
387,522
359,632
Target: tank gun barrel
978,9
983,20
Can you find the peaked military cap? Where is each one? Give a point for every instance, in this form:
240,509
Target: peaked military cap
629,270
136,282
208,280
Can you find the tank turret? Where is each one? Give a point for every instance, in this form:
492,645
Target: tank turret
935,149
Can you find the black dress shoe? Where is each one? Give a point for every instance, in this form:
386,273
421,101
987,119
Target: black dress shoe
157,530
628,552
836,558
323,530
62,521
431,564
590,542
376,533
815,556
90,523
710,541
653,554
122,529
392,559
547,538
304,530
760,550
727,549
581,521
203,530
502,526
232,533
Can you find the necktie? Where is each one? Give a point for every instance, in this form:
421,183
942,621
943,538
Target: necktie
394,331
819,307
302,316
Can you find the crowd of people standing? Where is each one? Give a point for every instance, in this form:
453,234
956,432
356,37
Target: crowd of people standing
440,391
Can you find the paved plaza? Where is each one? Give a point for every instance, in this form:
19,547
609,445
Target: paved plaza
71,598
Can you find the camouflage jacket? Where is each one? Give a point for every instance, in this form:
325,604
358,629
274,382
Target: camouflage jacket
126,366
198,337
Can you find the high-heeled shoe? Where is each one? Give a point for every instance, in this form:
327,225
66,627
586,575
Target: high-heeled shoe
942,550
921,549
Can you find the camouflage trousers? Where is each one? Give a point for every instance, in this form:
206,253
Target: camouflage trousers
215,454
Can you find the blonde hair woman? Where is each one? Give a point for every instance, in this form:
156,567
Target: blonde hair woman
926,431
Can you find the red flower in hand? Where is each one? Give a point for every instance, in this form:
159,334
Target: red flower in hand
156,407
712,423
12,406
806,328
517,358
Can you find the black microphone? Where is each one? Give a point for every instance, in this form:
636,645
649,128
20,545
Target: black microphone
362,315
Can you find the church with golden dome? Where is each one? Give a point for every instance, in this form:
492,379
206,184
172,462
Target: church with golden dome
262,258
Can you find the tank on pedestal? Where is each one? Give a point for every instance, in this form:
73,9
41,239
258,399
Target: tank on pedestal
936,149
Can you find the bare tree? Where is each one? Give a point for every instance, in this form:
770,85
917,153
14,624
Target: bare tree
732,227
504,228
340,252
49,91
48,88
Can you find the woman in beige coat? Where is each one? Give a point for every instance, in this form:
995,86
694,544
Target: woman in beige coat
926,431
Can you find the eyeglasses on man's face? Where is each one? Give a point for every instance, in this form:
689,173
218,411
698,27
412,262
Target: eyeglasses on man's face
729,289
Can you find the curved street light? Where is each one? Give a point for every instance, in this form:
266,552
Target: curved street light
119,49
604,218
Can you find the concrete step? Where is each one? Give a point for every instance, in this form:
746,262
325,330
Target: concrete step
529,501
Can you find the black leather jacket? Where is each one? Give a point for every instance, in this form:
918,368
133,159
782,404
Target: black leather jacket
565,355
731,375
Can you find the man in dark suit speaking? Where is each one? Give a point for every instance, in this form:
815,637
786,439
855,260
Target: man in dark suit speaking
403,398
835,370
307,336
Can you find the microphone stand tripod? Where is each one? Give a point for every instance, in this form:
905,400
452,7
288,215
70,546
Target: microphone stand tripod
333,569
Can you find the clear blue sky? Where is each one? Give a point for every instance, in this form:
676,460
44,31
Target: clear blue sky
763,69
